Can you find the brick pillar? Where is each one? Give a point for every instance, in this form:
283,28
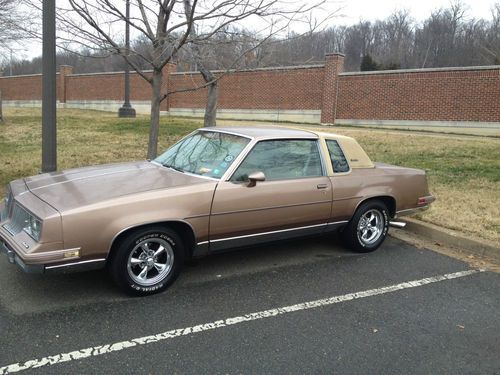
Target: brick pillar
64,71
167,70
334,64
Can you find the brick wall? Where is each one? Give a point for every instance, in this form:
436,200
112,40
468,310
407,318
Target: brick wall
107,86
27,87
286,88
451,94
426,95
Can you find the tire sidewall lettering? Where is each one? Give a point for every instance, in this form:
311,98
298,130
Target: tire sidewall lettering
156,235
386,223
161,284
147,289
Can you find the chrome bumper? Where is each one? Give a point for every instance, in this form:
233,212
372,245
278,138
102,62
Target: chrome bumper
15,259
411,211
75,266
423,204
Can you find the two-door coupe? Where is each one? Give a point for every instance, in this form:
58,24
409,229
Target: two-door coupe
216,189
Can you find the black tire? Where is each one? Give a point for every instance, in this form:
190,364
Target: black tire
126,270
359,241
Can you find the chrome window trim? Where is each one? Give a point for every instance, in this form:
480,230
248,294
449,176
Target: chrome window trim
198,175
224,132
257,141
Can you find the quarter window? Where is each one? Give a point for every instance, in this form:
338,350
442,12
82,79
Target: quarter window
339,162
281,160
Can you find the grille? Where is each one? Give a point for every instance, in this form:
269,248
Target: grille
19,220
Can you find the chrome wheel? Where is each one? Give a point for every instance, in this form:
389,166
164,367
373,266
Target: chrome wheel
150,261
370,227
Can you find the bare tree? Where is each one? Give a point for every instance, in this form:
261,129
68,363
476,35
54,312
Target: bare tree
491,43
165,27
13,29
397,41
211,54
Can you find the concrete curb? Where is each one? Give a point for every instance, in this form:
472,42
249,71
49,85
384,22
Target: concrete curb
451,238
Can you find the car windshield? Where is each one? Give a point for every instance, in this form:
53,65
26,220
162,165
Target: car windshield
205,153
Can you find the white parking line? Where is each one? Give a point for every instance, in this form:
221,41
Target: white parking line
118,346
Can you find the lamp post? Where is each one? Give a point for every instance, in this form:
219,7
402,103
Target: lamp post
126,109
49,131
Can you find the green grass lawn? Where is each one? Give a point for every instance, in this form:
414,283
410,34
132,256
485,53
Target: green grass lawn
463,172
84,138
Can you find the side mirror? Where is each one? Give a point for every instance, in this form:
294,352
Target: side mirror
254,177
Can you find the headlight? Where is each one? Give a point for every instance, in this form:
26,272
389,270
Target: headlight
34,227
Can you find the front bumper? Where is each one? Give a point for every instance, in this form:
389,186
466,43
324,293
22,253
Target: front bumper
15,259
66,267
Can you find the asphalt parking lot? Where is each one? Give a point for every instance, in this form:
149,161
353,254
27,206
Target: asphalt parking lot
306,306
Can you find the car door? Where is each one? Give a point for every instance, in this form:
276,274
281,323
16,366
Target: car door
294,200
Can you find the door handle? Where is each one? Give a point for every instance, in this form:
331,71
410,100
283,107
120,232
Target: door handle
322,186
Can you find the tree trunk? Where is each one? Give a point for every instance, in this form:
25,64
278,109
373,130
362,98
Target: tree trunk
211,108
154,128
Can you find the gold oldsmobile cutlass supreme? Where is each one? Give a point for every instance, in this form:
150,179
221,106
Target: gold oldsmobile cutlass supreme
216,189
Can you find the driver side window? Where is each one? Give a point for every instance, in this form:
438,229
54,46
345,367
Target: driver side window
282,159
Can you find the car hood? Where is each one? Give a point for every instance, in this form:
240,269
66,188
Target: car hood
89,185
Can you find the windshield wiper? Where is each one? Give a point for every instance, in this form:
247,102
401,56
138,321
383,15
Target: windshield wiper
174,168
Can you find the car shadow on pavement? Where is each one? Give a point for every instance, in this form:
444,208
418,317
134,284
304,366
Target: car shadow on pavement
22,293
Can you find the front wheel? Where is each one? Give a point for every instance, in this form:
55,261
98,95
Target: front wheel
147,261
368,227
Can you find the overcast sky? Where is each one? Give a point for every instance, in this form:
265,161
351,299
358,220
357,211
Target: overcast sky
353,11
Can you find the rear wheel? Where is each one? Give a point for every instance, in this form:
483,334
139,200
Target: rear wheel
147,261
367,229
